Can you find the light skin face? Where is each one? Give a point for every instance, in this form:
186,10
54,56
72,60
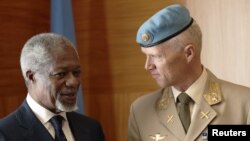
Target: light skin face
171,66
59,82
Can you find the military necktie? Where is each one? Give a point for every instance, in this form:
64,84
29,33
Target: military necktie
184,112
56,122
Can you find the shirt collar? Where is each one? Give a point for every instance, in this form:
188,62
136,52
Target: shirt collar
43,114
195,90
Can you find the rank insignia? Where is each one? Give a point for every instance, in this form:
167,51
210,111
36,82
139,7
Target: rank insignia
204,115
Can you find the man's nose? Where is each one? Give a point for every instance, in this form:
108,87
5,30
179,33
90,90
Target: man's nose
72,80
148,64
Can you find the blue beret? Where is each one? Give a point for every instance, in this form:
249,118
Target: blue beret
164,25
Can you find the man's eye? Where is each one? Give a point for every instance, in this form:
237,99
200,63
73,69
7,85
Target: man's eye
156,56
77,73
60,74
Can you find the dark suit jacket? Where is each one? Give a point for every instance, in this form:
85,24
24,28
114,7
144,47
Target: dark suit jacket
23,125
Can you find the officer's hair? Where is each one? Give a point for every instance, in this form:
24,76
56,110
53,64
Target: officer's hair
191,35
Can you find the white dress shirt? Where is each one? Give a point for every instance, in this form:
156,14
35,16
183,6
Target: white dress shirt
45,115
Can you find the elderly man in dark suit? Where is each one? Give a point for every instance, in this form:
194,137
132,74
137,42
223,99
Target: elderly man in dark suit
51,70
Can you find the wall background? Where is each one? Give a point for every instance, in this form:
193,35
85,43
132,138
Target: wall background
113,66
19,20
226,29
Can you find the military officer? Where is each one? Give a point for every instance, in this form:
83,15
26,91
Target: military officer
190,96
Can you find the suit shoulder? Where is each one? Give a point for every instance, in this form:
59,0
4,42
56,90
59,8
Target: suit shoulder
229,86
8,121
10,125
147,100
233,90
230,89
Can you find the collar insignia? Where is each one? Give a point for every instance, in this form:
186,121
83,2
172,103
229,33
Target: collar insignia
164,101
213,96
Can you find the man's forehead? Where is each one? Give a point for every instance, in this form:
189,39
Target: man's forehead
152,50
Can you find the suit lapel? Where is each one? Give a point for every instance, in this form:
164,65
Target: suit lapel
204,113
79,132
34,129
39,133
168,115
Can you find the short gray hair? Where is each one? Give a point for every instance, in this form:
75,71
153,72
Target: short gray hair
37,51
191,35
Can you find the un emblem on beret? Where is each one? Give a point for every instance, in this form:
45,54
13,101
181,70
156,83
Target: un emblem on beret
145,37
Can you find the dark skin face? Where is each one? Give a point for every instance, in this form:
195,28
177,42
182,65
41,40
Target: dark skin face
55,88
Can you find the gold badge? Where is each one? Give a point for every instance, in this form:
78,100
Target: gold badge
145,37
170,119
165,99
157,137
205,115
213,96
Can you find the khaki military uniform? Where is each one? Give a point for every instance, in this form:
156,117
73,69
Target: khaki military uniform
154,117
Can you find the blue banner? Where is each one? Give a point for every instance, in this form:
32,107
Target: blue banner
62,22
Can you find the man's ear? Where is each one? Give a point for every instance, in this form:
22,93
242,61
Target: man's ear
30,75
189,52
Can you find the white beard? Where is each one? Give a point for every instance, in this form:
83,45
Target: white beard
61,107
